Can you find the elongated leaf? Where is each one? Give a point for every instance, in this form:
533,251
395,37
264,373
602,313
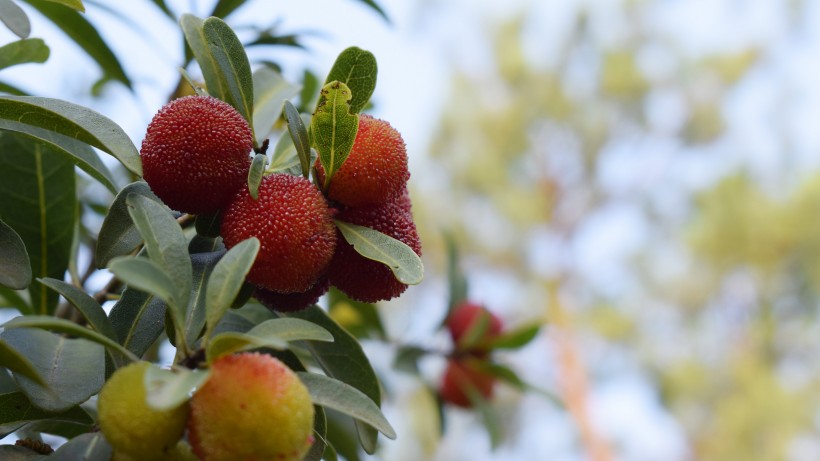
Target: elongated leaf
284,158
192,28
139,319
514,339
332,393
232,66
88,306
357,69
334,128
85,35
73,4
23,51
87,447
292,329
256,174
270,91
146,275
225,7
344,360
168,389
46,322
19,364
118,235
372,244
166,245
15,267
226,280
299,136
15,407
377,8
203,263
77,152
456,280
228,343
15,18
207,225
74,121
11,298
11,89
164,7
70,367
320,434
40,204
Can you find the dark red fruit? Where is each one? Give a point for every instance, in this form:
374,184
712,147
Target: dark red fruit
375,172
363,279
195,155
463,377
292,221
465,316
292,302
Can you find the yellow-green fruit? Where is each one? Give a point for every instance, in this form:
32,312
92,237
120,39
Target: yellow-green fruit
252,408
129,424
180,452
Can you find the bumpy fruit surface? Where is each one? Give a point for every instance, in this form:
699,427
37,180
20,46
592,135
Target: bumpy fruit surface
463,377
129,424
363,279
253,407
466,315
375,172
292,221
292,302
195,155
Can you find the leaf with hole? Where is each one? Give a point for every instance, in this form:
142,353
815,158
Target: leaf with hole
334,128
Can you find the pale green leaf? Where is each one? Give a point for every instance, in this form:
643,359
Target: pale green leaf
270,91
256,173
23,51
15,267
398,256
15,18
167,389
226,279
299,136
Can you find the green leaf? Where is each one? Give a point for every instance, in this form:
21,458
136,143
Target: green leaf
74,121
23,51
12,299
74,4
284,158
274,333
192,28
488,416
47,322
139,319
87,447
332,393
11,89
344,360
167,389
362,319
79,29
514,339
166,245
15,267
118,235
256,173
232,66
372,244
457,282
85,304
226,280
203,263
310,86
299,136
70,367
15,18
15,407
18,363
40,204
270,91
225,7
146,275
377,8
17,453
357,69
164,7
77,152
320,434
341,435
407,358
334,128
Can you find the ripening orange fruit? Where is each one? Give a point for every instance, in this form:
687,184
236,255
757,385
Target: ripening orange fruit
251,408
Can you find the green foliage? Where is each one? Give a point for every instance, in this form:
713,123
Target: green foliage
15,268
398,256
334,128
357,69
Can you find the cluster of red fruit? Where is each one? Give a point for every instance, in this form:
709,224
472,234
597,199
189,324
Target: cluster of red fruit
472,328
196,159
252,407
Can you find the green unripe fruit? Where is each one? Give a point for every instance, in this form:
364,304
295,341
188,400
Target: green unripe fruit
253,407
129,424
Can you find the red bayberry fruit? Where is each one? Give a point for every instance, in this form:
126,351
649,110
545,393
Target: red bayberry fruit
363,279
375,172
292,221
292,302
463,377
195,155
465,316
252,407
